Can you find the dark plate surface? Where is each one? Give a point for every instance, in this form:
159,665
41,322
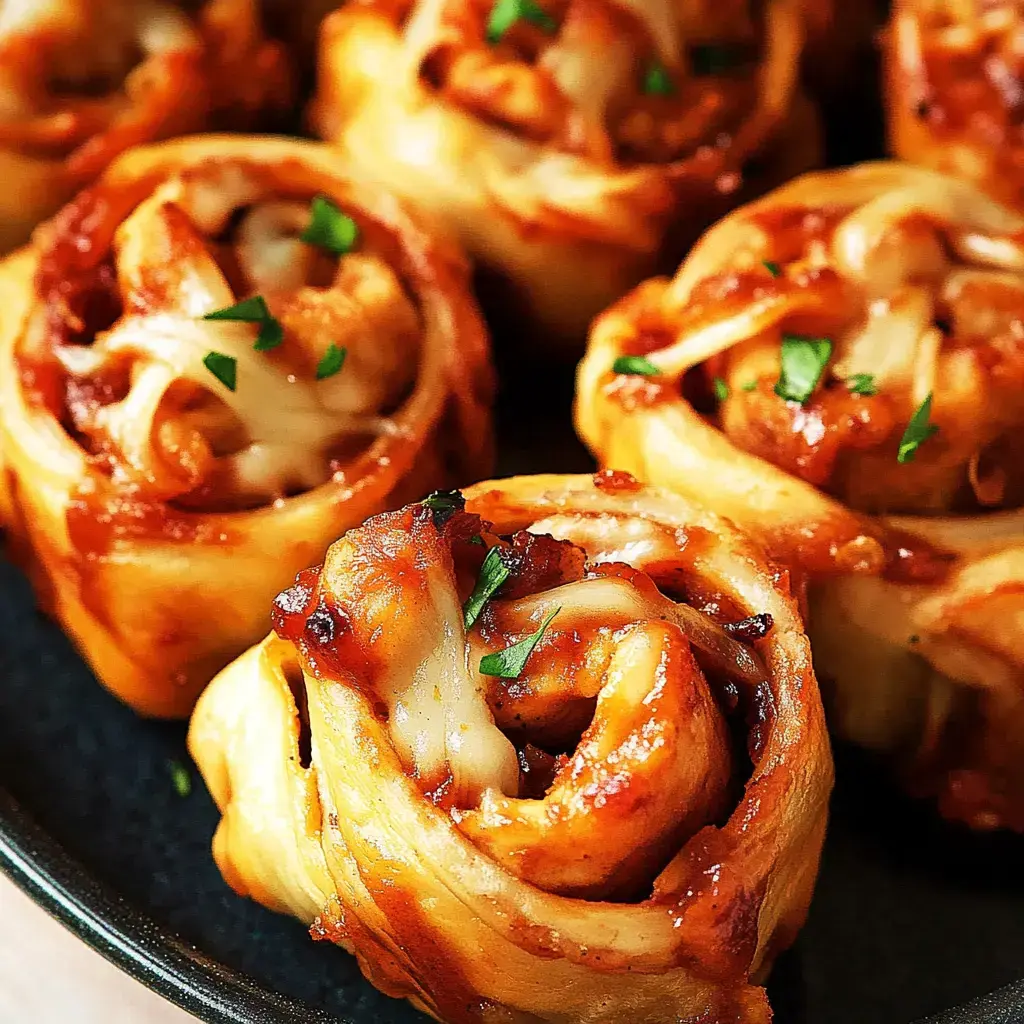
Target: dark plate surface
911,916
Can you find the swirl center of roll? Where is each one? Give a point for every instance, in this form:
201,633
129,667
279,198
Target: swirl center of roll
613,723
872,346
149,353
636,83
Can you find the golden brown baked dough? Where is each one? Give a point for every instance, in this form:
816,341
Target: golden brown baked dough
629,829
954,88
904,290
160,510
83,80
588,145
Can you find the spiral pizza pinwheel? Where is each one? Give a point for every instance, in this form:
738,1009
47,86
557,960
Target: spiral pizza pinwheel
838,369
81,81
954,88
551,751
212,363
571,144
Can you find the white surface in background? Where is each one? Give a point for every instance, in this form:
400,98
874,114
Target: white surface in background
47,976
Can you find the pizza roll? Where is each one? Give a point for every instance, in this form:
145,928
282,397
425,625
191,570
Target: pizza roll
81,81
573,145
838,368
212,363
954,87
554,749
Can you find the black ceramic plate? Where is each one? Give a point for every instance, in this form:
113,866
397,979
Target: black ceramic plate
911,916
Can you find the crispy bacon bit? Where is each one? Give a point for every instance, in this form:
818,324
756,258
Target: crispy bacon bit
462,527
728,694
754,627
539,562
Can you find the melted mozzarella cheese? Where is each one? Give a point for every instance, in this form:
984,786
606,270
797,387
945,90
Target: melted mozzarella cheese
397,586
439,718
287,419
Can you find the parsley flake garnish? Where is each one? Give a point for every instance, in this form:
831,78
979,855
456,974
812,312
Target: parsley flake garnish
721,389
493,574
180,778
773,268
444,504
918,431
505,13
329,228
657,80
509,663
637,366
803,363
749,386
862,384
250,311
270,336
331,361
224,368
253,310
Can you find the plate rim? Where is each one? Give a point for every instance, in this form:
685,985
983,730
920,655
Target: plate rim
53,878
